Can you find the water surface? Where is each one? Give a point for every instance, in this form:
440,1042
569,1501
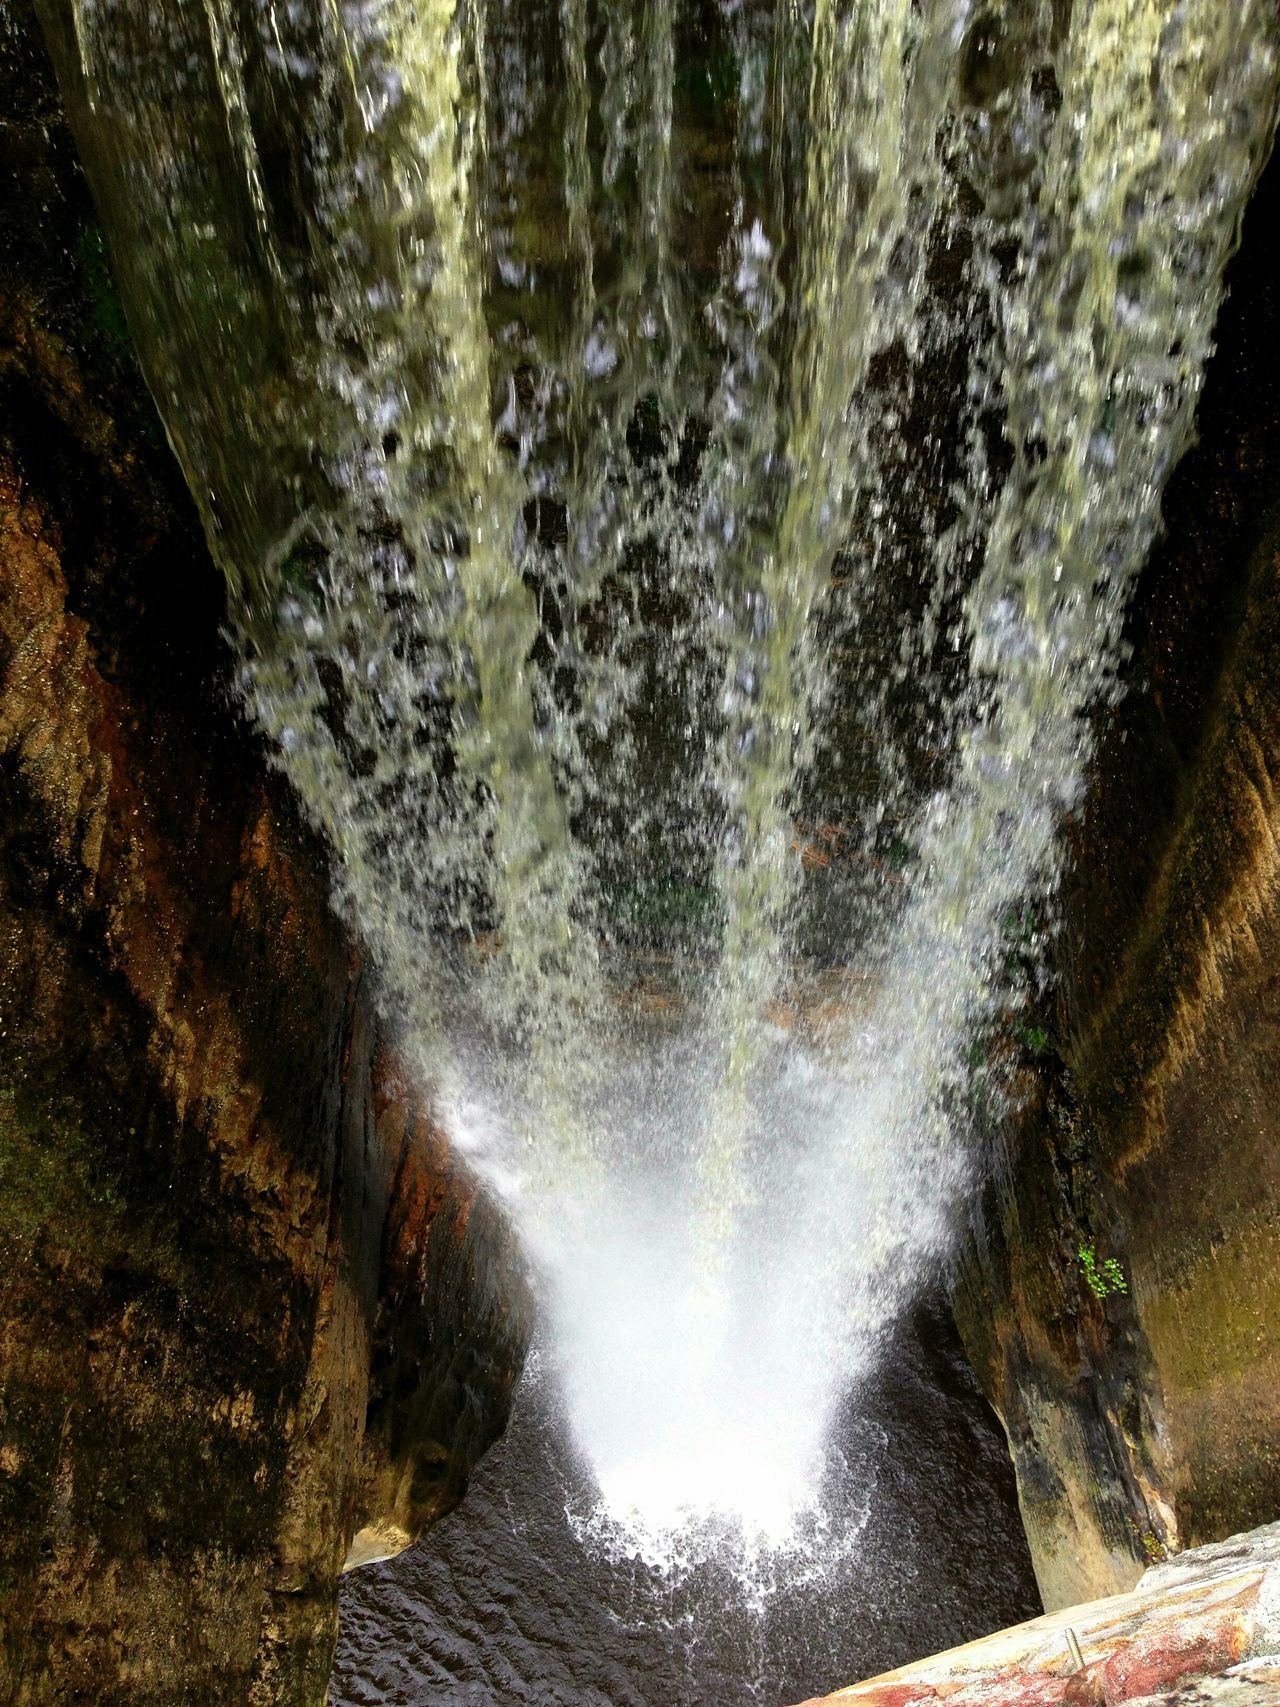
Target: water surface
507,1604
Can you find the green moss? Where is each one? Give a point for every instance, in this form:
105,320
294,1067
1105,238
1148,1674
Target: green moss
51,1181
62,1184
1214,1322
105,308
1033,1038
662,904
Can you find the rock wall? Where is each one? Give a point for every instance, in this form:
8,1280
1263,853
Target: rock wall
1148,1420
251,1307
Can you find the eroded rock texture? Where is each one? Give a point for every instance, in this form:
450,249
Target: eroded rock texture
1149,1420
249,1301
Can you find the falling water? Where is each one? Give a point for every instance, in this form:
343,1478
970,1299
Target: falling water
679,470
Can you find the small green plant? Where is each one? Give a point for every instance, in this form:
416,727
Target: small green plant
1153,1548
1033,1038
1102,1278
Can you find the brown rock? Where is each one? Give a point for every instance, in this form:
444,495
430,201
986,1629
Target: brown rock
249,1302
1148,1420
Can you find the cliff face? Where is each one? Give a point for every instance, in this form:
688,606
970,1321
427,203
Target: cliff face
1147,1420
250,1305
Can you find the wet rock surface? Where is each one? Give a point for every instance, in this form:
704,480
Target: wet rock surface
1145,1420
249,1302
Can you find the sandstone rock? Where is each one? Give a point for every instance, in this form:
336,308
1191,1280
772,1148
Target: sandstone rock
250,1304
1148,1421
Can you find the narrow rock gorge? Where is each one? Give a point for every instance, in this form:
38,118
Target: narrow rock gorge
724,760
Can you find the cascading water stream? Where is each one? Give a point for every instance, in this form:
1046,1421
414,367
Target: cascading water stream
549,379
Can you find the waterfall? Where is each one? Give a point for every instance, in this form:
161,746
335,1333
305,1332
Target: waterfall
679,469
